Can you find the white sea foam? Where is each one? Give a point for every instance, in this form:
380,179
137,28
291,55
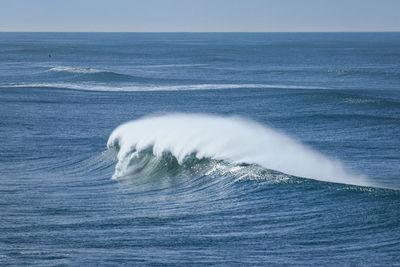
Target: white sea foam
140,88
75,70
232,139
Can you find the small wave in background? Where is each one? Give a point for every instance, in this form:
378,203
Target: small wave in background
77,70
89,74
138,87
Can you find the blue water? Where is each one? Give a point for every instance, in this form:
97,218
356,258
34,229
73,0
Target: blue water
240,148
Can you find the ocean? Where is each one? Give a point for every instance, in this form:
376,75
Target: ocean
200,149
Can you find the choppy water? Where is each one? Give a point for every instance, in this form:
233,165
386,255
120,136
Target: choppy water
177,149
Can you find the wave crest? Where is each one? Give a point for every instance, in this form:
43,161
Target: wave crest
230,139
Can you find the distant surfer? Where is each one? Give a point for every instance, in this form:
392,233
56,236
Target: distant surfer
49,55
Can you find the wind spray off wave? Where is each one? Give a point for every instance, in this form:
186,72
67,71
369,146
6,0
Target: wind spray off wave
231,139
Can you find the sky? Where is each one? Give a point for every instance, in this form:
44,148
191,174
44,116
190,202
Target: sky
200,15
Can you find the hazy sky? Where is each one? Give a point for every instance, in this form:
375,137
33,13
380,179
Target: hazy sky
199,15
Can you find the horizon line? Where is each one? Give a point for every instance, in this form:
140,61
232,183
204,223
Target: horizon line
362,31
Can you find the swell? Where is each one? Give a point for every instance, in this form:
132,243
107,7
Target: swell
231,140
366,72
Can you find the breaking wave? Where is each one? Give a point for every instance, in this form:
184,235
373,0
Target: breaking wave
231,141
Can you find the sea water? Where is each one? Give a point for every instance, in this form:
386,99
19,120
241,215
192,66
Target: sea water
200,148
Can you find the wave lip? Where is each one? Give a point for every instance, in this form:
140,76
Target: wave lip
231,139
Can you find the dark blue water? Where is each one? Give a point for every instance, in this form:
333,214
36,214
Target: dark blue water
207,188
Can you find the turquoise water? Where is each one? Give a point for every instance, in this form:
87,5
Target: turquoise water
177,149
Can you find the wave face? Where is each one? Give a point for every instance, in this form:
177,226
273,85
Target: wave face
231,139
